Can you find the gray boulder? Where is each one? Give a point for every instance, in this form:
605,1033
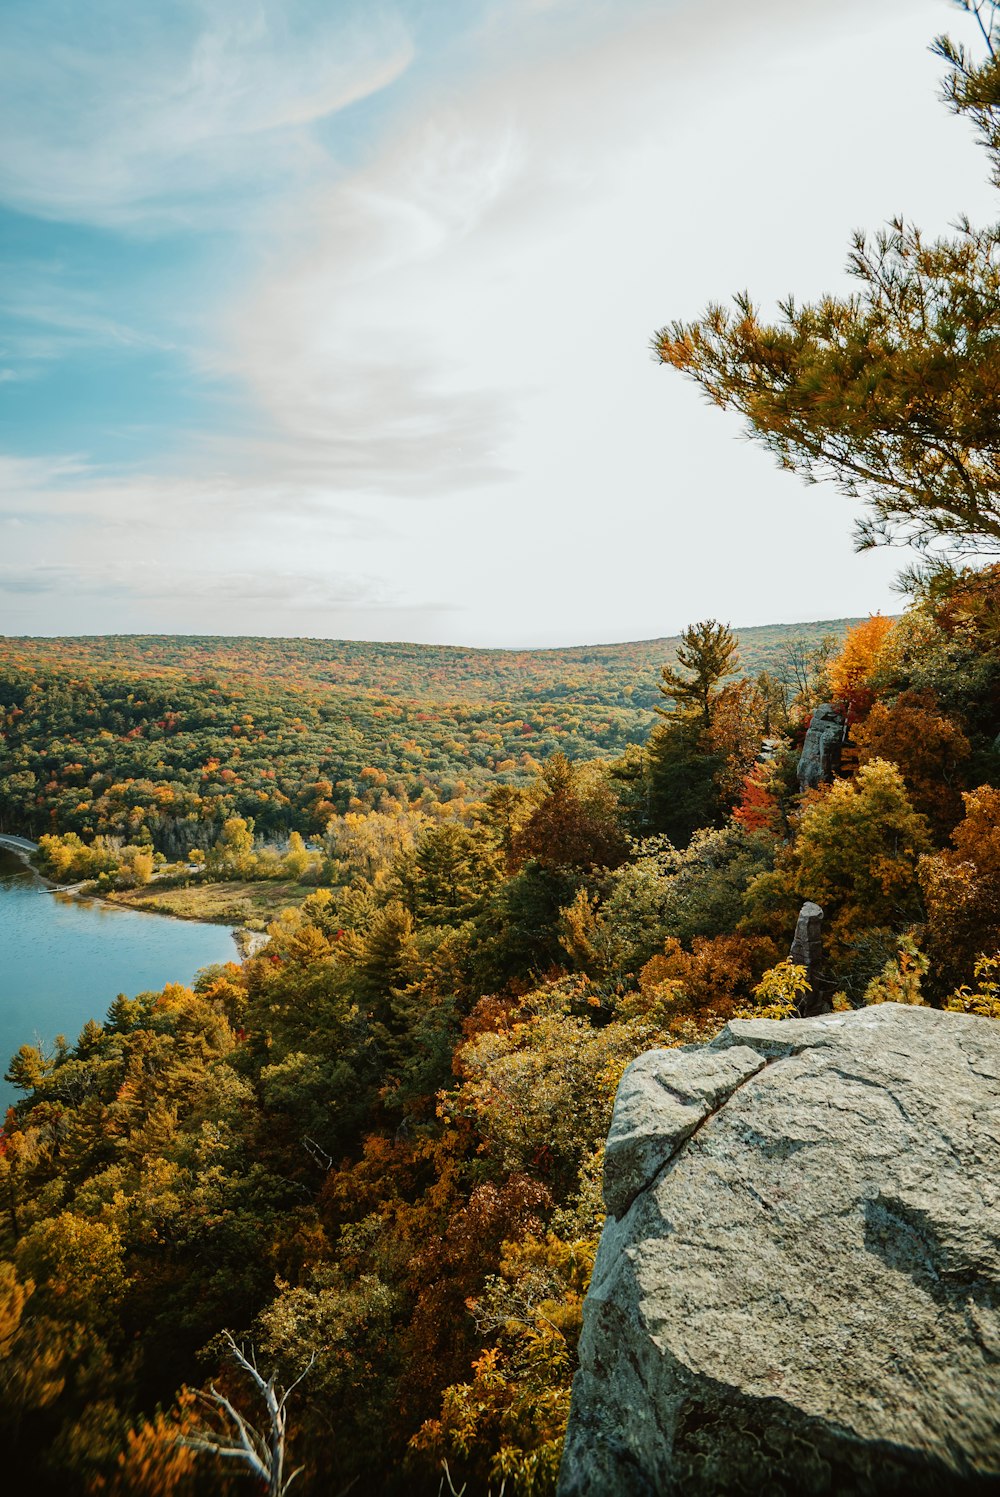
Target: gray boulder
798,1287
821,749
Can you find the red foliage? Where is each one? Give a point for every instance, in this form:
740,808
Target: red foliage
758,809
440,1340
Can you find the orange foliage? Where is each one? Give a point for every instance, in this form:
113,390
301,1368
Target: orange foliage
928,749
758,809
961,888
492,1013
154,1462
735,734
410,1184
849,671
715,976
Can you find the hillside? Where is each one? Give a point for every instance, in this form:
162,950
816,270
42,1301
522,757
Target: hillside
169,735
611,675
371,1152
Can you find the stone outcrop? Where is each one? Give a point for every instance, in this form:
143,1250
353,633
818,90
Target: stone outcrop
798,1285
821,749
807,951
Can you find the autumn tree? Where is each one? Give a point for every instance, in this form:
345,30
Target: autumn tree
699,752
856,854
893,392
663,892
929,749
962,889
707,654
735,733
575,825
706,981
849,670
232,855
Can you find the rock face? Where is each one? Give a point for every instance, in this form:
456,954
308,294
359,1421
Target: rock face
798,1288
821,748
807,951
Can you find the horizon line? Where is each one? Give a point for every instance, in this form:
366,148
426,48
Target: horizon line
427,645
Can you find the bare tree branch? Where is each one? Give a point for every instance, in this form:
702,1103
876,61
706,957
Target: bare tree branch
262,1452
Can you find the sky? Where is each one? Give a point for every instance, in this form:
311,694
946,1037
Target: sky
333,317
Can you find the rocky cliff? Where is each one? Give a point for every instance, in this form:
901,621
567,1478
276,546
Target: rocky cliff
798,1287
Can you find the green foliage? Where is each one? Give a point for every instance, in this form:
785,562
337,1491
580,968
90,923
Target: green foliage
706,654
856,854
664,892
833,388
137,737
446,876
682,791
378,1140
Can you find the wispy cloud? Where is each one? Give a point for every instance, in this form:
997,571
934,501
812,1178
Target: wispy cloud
77,323
201,554
142,114
444,295
144,582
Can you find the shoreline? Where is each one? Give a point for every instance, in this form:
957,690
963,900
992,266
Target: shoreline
22,848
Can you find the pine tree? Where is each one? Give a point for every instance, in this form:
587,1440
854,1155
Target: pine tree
708,652
894,391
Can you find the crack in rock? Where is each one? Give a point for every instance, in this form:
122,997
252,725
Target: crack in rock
665,1099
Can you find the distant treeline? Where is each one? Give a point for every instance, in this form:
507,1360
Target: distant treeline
163,738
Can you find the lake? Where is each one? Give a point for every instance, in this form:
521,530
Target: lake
63,960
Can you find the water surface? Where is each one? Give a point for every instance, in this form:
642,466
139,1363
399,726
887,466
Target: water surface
63,960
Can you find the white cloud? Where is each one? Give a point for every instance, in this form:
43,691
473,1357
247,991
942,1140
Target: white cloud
144,115
171,552
477,302
464,318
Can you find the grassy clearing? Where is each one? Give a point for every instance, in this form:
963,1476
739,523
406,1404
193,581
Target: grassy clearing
233,903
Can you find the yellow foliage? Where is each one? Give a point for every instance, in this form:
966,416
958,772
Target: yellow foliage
849,671
984,999
507,1425
899,980
776,995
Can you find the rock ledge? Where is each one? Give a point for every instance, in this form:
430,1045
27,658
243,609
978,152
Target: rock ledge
798,1285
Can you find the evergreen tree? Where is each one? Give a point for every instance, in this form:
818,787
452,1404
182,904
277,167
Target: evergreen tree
448,872
708,654
682,794
684,764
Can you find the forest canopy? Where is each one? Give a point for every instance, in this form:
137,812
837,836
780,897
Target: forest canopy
368,1156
